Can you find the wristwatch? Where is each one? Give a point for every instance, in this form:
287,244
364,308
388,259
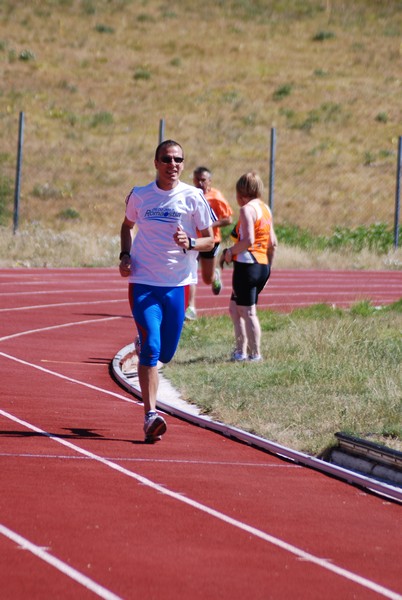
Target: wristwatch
191,243
124,253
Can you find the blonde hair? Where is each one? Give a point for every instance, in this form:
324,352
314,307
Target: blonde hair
250,185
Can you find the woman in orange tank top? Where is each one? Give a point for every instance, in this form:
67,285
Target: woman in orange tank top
252,255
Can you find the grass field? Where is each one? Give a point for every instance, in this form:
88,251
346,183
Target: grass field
310,385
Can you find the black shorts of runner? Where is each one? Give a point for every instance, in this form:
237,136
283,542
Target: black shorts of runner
248,281
212,253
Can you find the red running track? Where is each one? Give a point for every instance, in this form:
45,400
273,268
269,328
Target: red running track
287,290
88,510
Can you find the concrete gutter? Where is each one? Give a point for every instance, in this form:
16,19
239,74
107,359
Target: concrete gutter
362,456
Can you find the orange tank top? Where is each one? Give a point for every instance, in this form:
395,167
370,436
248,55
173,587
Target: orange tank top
262,235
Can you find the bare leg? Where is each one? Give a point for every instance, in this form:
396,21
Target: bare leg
239,327
191,295
208,266
253,328
149,381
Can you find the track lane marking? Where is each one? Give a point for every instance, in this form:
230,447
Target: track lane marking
78,290
70,379
58,304
298,552
59,326
58,564
150,460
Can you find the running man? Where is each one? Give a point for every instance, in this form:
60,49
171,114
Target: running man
160,260
202,179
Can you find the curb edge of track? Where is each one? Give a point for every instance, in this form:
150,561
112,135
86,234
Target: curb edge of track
177,407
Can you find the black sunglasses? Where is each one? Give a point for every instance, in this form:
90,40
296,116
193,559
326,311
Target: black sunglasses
169,159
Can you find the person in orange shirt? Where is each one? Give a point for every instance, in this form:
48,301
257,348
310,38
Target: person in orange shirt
208,260
252,255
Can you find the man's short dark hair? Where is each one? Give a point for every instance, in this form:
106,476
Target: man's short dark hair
200,170
166,144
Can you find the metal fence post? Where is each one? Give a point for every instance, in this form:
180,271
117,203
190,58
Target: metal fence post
397,194
18,172
272,169
161,130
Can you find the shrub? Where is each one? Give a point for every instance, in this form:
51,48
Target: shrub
26,55
101,118
321,36
376,237
292,235
382,117
69,214
145,18
103,28
141,73
282,92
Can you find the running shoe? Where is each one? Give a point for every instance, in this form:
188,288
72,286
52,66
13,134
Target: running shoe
255,358
191,313
238,356
217,283
154,427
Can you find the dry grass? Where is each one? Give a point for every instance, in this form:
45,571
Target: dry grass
98,76
34,246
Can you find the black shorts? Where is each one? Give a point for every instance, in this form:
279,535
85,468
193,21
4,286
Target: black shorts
211,253
248,281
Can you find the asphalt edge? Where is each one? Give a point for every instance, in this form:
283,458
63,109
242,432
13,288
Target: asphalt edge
123,369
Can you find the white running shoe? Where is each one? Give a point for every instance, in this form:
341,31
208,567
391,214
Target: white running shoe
255,358
191,313
154,427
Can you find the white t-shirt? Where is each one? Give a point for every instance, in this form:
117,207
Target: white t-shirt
156,259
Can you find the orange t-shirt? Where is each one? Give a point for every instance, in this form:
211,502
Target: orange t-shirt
221,208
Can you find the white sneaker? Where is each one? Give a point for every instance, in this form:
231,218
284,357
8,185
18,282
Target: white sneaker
238,356
191,313
255,358
154,427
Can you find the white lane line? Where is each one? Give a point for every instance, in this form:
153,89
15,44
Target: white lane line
62,281
268,297
289,286
60,326
70,379
298,552
58,564
79,290
60,304
146,460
